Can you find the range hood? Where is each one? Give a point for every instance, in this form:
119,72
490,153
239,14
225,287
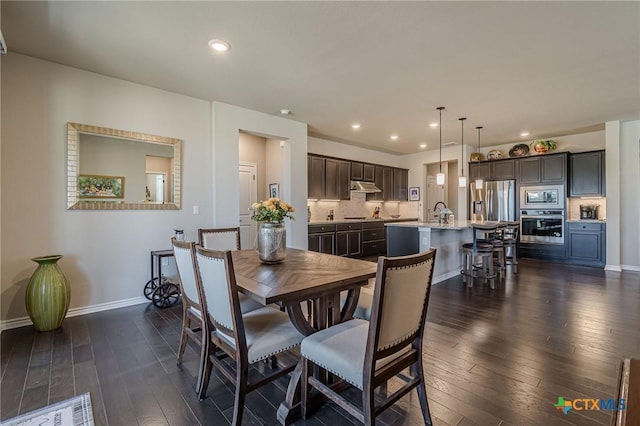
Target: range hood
368,187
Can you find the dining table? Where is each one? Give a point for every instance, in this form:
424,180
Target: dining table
303,278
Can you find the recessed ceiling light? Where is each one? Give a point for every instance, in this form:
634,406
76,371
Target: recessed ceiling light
423,145
219,46
433,124
355,126
285,111
394,137
523,134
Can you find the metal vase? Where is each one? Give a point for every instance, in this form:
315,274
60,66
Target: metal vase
48,294
272,242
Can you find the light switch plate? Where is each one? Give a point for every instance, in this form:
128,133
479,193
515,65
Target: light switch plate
196,209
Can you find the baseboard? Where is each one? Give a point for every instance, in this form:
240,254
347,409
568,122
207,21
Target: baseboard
74,312
630,268
446,276
614,268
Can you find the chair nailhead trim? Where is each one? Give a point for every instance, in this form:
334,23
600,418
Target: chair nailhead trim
274,353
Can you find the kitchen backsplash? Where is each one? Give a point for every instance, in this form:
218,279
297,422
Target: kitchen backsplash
358,206
573,210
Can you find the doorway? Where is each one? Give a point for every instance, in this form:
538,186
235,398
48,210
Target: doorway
247,195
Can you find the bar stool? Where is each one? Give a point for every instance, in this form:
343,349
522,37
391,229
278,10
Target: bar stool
496,239
478,255
510,241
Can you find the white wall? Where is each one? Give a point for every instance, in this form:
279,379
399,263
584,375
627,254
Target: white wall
629,195
275,170
106,253
228,121
349,152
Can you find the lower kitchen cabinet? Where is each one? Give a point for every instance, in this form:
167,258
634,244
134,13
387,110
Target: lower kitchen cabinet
321,238
587,243
374,240
348,236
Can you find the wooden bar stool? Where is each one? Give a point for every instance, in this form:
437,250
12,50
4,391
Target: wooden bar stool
478,255
496,239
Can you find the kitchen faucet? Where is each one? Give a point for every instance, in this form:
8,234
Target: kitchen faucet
439,202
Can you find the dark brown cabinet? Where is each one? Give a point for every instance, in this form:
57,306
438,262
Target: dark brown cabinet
348,236
384,181
503,170
493,170
587,174
550,168
479,171
337,179
321,238
315,177
357,171
374,241
369,173
400,185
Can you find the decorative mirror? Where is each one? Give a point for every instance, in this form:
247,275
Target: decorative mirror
110,169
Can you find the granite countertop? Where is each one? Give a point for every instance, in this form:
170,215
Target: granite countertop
382,219
588,220
458,225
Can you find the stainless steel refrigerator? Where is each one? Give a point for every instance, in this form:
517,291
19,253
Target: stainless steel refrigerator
495,200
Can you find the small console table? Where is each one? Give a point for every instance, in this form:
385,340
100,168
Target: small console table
162,292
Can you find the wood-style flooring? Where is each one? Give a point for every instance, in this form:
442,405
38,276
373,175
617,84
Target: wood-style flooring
492,357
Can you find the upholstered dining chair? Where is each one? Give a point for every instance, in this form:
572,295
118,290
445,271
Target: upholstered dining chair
246,338
193,326
220,238
366,354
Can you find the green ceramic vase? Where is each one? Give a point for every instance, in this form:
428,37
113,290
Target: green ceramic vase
48,294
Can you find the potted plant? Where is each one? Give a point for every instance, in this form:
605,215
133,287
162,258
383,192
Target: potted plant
270,215
542,146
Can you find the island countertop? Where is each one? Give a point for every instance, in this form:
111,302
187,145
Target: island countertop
458,225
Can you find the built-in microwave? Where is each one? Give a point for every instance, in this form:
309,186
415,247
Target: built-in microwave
542,197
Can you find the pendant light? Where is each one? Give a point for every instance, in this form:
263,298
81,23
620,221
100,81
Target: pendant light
440,176
479,181
462,179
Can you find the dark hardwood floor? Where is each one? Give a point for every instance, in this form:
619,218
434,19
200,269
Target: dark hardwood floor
493,357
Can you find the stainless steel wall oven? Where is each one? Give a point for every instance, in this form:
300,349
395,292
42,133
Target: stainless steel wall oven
542,226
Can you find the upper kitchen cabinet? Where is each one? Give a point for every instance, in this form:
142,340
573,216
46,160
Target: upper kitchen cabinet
315,177
551,168
328,178
362,171
479,171
384,181
400,185
587,174
493,170
337,179
503,169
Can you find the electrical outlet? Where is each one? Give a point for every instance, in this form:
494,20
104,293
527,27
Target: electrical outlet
165,261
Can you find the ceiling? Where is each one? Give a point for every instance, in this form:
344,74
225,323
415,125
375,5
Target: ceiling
551,68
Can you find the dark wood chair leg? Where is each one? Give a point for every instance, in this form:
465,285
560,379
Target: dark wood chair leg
186,322
418,371
304,388
242,375
206,375
368,405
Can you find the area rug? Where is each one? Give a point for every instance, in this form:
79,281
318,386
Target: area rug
74,411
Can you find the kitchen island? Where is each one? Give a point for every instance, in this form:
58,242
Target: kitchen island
404,238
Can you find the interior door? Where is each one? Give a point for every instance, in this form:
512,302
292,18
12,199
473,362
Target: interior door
248,194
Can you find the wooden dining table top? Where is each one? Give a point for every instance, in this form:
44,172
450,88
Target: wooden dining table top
303,274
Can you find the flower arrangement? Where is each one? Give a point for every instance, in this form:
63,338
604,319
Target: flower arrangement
272,210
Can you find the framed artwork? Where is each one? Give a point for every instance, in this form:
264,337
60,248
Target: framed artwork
414,193
274,190
95,186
